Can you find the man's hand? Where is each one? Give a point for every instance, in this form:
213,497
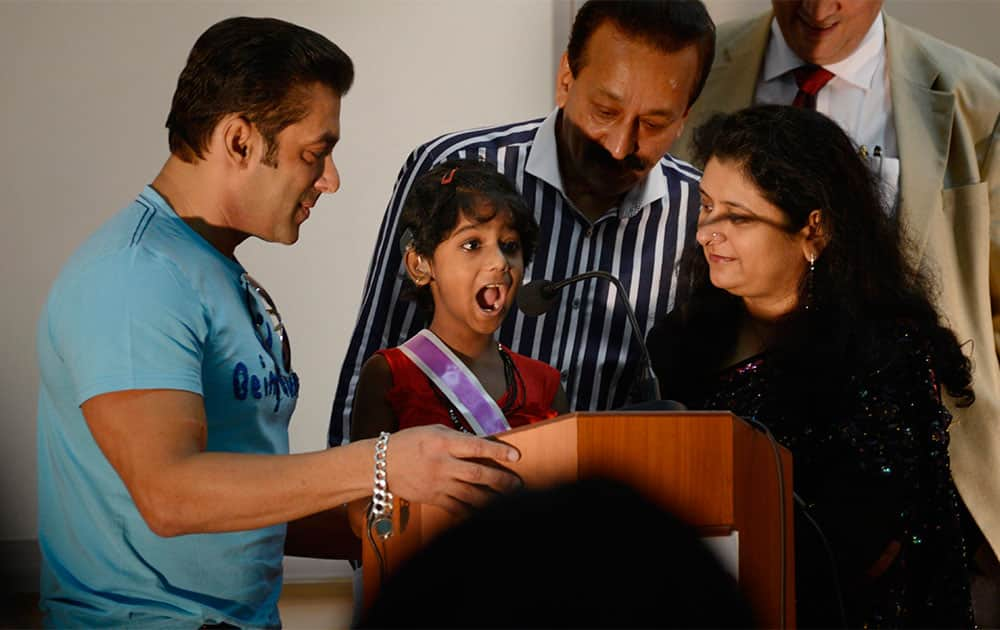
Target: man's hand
432,465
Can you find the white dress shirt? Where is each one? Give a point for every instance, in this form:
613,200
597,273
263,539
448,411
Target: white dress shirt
857,98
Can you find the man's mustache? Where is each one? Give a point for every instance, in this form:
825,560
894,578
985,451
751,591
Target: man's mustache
595,153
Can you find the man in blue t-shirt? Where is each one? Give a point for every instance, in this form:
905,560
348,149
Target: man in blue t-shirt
166,378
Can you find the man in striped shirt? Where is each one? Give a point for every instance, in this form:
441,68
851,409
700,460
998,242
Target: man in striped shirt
605,193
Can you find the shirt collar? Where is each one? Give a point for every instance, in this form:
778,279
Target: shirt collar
543,163
857,69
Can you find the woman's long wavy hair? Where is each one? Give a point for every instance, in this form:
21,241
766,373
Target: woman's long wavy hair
863,286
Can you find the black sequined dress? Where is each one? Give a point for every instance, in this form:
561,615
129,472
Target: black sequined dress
872,467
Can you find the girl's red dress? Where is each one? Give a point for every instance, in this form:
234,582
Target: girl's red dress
416,401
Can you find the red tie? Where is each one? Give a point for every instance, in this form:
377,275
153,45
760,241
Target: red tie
810,80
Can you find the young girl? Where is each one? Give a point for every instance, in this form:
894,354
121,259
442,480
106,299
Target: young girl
466,236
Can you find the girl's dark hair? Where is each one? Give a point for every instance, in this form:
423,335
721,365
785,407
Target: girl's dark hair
473,188
863,284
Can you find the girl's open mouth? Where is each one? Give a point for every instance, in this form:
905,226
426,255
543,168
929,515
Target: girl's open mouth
490,298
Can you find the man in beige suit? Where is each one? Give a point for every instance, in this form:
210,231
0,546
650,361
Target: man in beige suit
928,115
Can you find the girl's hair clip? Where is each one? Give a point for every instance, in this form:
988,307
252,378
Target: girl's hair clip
450,176
405,240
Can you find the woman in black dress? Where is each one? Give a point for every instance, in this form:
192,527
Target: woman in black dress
804,314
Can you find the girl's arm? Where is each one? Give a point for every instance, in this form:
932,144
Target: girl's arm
370,415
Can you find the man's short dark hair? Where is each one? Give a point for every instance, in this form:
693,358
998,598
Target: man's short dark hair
667,25
257,67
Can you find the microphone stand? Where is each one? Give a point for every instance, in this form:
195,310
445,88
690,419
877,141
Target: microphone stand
553,288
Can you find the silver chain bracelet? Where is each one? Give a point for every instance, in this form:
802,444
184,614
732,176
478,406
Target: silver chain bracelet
381,511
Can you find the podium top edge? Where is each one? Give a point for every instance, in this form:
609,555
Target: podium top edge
583,415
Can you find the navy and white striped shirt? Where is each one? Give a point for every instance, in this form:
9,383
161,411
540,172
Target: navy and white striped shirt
588,337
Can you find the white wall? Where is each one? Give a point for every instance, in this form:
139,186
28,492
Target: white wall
86,88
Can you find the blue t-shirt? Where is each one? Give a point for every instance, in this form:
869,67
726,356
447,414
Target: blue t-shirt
147,303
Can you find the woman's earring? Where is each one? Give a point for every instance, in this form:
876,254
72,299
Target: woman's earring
810,281
424,268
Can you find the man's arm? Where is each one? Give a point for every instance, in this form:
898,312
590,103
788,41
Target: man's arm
155,440
383,320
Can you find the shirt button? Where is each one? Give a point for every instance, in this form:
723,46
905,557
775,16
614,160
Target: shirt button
564,375
576,302
590,232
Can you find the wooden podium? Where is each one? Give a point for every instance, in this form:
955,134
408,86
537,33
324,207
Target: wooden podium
710,468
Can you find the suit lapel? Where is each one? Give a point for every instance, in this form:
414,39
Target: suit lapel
733,82
923,119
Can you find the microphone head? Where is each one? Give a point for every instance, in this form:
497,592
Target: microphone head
536,297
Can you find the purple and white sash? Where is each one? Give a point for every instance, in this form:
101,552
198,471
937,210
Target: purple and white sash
456,381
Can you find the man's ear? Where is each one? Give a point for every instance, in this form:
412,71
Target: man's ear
238,140
564,81
417,268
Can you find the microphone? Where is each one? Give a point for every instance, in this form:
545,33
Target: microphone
539,296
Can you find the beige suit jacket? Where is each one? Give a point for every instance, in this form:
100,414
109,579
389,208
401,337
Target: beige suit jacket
946,109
